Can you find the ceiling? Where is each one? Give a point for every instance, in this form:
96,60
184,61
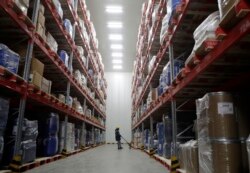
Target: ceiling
130,18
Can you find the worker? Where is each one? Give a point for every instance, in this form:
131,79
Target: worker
118,138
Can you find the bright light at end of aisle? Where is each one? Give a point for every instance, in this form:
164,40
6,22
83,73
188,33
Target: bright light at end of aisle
117,67
115,24
117,61
116,46
115,37
117,55
114,9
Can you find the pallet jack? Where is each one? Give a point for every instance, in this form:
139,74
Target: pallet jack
129,144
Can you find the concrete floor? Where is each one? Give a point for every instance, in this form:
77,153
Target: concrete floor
104,159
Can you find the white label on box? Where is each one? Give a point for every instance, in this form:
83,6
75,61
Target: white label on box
225,108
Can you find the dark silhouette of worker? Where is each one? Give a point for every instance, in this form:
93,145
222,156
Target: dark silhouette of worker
118,138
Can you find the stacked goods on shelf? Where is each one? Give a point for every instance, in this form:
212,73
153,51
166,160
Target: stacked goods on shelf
4,111
165,22
160,134
51,42
70,137
89,138
68,27
218,134
9,59
23,5
77,138
58,6
168,137
40,26
204,32
28,141
137,141
64,57
77,106
188,157
83,134
48,136
146,138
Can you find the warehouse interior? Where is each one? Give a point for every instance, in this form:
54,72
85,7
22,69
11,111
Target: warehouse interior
124,86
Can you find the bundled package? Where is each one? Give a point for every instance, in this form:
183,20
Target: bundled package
218,139
58,6
80,50
68,26
165,22
64,57
52,42
23,5
9,59
225,6
161,136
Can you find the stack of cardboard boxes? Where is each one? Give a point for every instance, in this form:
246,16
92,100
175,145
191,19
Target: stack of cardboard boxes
36,76
40,26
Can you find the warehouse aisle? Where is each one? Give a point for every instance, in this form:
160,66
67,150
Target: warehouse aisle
104,159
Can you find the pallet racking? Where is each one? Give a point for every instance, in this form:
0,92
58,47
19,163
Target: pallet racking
223,64
21,29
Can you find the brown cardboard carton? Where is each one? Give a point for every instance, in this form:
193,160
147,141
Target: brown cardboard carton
46,85
154,93
36,79
41,19
61,98
40,29
37,66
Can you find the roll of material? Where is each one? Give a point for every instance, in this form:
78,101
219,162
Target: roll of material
226,157
216,117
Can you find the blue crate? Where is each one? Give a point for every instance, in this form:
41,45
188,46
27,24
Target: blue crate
50,146
64,57
9,59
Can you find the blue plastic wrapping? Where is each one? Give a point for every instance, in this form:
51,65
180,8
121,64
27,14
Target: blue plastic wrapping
167,150
68,26
160,148
50,146
146,136
28,149
4,111
52,124
160,132
64,57
9,59
168,129
175,3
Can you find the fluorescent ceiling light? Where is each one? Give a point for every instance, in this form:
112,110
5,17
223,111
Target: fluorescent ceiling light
115,24
117,61
114,9
116,46
117,67
117,54
115,37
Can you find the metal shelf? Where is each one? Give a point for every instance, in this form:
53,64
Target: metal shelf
15,83
72,15
206,74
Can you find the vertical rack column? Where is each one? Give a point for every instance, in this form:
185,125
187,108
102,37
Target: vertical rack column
68,92
22,104
173,102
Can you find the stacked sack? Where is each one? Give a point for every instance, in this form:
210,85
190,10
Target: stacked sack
70,137
48,136
4,111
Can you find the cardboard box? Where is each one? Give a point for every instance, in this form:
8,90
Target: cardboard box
36,79
41,9
52,42
154,93
46,85
41,19
40,29
37,66
61,98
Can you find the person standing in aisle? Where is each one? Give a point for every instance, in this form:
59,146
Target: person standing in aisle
118,138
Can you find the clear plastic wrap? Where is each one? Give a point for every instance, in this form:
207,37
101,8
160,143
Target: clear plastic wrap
219,145
4,111
206,30
225,6
165,22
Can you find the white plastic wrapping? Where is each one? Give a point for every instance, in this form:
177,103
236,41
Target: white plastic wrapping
225,6
206,30
151,64
165,22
